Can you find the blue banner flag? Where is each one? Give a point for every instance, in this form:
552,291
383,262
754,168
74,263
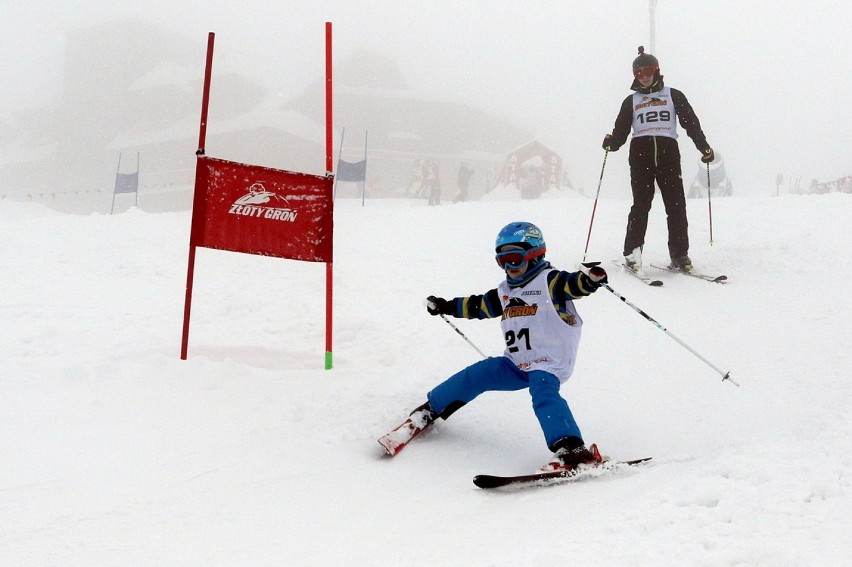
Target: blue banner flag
126,182
348,171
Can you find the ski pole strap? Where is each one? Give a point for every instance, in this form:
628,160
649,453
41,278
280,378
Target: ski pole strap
725,375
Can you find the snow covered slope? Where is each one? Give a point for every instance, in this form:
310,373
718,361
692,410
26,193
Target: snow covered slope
115,452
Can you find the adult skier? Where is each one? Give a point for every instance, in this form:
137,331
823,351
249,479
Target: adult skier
654,156
535,304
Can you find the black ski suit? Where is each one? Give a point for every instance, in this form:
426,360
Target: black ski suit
657,158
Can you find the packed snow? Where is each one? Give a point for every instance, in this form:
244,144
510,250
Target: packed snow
116,452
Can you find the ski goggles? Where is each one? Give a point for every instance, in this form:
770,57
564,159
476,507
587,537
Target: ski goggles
645,72
514,259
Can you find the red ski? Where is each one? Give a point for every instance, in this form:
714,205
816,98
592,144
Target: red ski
553,477
396,440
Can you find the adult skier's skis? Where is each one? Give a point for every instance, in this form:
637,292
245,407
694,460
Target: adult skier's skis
645,279
715,279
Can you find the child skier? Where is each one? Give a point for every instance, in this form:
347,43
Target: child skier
542,328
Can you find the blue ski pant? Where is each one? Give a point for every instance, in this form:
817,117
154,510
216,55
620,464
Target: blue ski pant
500,374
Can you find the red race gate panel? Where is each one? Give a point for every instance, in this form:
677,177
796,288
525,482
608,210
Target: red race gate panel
259,210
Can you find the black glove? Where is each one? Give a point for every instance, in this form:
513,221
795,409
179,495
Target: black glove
708,156
439,306
595,278
608,144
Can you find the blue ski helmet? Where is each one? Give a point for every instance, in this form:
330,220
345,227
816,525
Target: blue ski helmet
523,234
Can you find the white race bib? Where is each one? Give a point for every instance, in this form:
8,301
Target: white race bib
654,114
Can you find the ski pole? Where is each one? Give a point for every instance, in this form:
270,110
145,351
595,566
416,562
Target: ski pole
709,206
594,208
725,375
456,329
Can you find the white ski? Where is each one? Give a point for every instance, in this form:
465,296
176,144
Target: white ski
645,279
715,279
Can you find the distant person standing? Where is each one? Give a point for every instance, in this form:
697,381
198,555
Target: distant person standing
433,182
463,181
654,156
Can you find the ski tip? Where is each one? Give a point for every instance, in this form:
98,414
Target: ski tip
486,481
644,277
637,461
390,447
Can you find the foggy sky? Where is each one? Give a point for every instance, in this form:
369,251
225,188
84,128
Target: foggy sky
767,79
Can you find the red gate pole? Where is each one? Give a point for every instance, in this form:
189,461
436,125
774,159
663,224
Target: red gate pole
198,200
328,168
